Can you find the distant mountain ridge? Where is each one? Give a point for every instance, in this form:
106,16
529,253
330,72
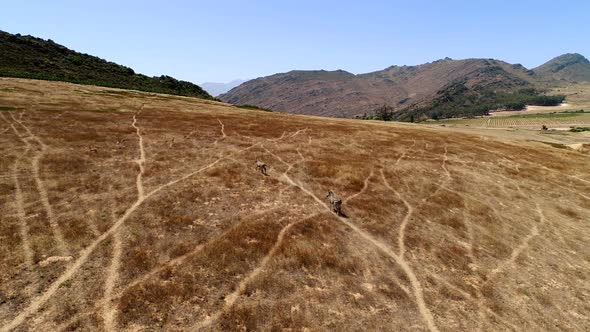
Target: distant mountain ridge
343,94
339,93
215,88
445,88
31,57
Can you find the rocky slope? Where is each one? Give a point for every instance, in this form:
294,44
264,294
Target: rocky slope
342,94
408,88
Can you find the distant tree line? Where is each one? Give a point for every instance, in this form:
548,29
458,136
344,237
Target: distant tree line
382,113
254,108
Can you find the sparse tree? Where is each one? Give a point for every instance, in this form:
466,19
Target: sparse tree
384,113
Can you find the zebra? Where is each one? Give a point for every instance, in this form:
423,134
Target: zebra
260,166
335,202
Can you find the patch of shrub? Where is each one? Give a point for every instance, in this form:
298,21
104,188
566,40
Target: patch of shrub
457,100
579,129
35,58
254,108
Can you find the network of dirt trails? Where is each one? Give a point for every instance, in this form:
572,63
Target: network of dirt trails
123,210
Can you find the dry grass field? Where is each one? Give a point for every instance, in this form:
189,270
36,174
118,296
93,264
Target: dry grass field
133,211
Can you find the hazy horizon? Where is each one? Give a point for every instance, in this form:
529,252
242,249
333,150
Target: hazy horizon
226,40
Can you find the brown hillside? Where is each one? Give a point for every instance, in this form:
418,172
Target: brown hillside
132,211
342,94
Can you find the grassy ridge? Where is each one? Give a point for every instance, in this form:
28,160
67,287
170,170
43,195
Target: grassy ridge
30,57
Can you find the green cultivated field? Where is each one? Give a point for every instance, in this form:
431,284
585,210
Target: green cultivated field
525,120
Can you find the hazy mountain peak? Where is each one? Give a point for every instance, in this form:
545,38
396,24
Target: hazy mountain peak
216,88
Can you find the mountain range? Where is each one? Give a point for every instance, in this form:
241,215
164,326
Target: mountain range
443,88
215,88
404,88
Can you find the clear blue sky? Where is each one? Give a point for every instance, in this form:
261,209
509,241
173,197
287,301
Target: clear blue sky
222,40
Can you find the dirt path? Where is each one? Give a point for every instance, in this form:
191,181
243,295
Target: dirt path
289,166
513,165
71,270
217,161
404,223
23,225
110,308
84,254
108,312
145,277
573,177
410,207
301,156
281,137
57,234
222,129
444,163
445,181
297,132
522,247
474,266
416,287
553,183
365,186
140,161
466,295
233,297
223,135
403,155
22,215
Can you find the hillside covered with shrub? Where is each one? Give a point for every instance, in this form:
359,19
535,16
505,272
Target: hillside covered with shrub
457,100
31,57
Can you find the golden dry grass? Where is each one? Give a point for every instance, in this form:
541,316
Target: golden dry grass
443,230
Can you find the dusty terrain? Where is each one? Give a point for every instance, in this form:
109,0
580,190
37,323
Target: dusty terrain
134,211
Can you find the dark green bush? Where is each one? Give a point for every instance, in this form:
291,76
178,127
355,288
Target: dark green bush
457,100
30,57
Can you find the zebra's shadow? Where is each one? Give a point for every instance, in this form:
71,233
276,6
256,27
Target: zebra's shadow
341,214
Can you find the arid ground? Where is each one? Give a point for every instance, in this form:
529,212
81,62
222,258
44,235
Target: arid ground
133,211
